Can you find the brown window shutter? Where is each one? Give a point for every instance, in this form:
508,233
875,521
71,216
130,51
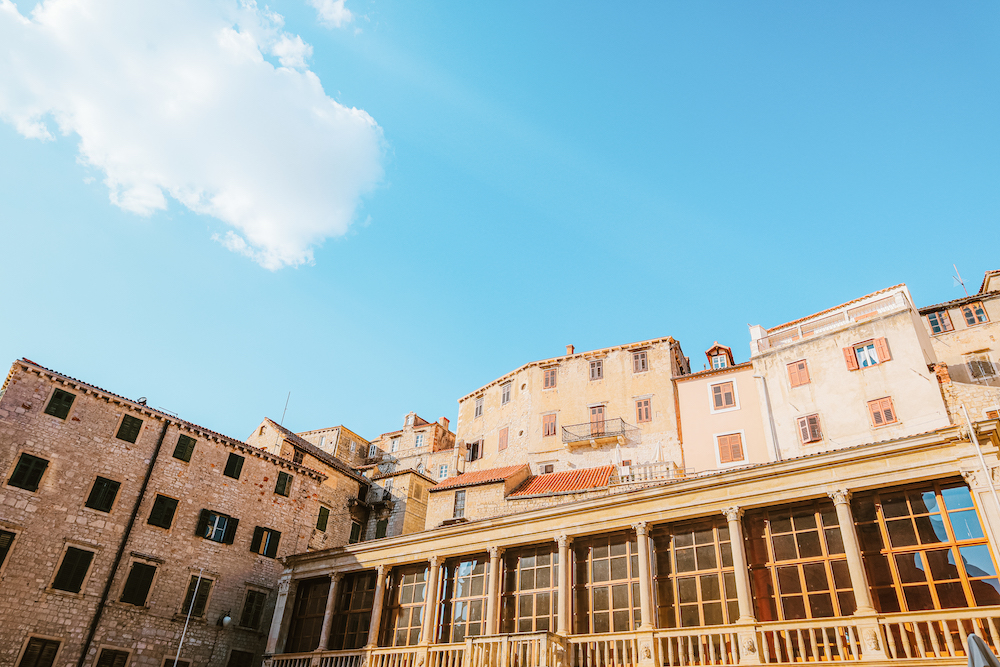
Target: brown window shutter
888,411
804,429
851,358
724,456
803,372
882,349
736,443
814,431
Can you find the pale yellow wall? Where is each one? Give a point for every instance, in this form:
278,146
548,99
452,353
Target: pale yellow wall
701,424
841,396
951,347
570,401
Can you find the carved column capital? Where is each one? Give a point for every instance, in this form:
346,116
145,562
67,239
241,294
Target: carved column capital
435,560
283,585
336,577
564,540
496,552
840,496
970,477
381,571
640,528
733,513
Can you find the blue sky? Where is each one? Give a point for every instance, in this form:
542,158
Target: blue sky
532,175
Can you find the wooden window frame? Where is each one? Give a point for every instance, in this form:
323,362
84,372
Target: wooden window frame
502,438
128,577
354,538
283,484
880,348
798,373
323,518
44,639
114,658
60,403
810,429
5,551
505,392
30,483
587,582
712,396
265,541
876,412
86,575
987,368
125,426
549,421
940,322
596,370
640,361
726,461
458,504
184,449
193,601
355,602
406,595
549,378
465,574
173,511
643,411
478,409
970,315
100,490
418,440
208,526
523,570
234,465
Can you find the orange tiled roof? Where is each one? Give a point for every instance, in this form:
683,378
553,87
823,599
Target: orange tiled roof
566,482
478,477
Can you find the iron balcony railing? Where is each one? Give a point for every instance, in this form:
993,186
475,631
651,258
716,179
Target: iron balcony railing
599,430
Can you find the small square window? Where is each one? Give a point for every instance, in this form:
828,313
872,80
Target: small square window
265,542
505,394
549,378
39,653
640,363
597,370
882,412
940,322
298,457
217,527
394,445
103,494
720,361
240,659
809,430
980,366
459,511
730,448
253,609
547,468
974,314
866,355
129,429
642,411
443,471
548,425
162,514
475,451
503,440
479,408
73,570
198,590
381,528
372,451
28,472
798,373
323,519
234,466
284,484
140,579
184,448
60,403
111,657
723,396
418,440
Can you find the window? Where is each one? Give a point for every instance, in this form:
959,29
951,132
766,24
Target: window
720,361
284,484
924,548
73,570
882,412
502,444
307,615
323,519
129,429
102,494
798,373
60,403
597,369
6,541
980,366
409,420
169,662
549,378
216,527
443,471
354,446
418,440
730,448
184,448
381,528
406,606
597,421
28,472
505,394
642,411
262,429
265,542
475,451
548,425
990,414
940,322
198,590
162,514
111,657
530,590
353,611
459,510
234,466
463,607
723,396
639,362
39,653
253,609
809,430
394,445
606,584
372,451
298,457
867,354
547,468
240,659
479,408
975,314
140,579
694,578
355,533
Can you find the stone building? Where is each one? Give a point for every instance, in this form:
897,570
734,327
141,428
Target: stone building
117,520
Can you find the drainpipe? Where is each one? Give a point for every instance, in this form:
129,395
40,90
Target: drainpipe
776,450
121,548
979,451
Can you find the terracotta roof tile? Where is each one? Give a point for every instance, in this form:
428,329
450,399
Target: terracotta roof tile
566,482
479,477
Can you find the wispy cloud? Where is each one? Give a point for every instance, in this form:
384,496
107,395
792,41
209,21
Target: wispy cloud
181,100
332,13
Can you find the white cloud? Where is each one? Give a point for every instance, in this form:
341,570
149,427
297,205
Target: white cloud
178,99
332,13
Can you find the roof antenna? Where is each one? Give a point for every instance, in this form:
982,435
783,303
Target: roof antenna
282,422
957,278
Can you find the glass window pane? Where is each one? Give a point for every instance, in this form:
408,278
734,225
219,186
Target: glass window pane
710,587
687,589
957,497
834,541
788,580
713,613
690,616
602,622
901,533
931,529
706,557
986,592
894,505
784,547
601,598
619,596
870,537
793,608
821,605
841,574
951,595
910,567
815,576
619,568
941,563
602,571
977,561
685,560
804,521
966,525
918,598
809,544
923,502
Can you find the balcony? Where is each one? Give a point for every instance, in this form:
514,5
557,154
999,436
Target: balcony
602,432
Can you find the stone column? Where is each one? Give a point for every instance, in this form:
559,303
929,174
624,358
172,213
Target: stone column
331,602
749,654
430,601
373,628
565,578
280,619
493,592
645,575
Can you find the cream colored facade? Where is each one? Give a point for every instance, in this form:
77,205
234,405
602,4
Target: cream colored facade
519,402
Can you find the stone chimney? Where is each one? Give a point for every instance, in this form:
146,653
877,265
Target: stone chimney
941,370
444,422
569,349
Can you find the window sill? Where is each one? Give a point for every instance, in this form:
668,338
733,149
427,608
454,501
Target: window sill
895,423
68,594
721,410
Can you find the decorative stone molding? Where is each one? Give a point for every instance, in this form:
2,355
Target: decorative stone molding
335,577
871,639
971,476
733,513
840,496
381,571
749,645
283,585
435,560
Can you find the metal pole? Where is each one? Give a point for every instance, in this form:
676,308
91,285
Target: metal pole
979,451
194,596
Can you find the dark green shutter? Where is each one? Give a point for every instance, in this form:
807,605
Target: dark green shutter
230,533
253,608
203,519
201,601
284,484
323,519
240,659
258,537
39,653
184,448
73,570
162,514
355,533
6,539
381,527
28,472
136,589
103,494
59,404
272,544
129,429
234,466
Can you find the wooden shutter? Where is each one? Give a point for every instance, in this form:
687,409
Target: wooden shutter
888,412
725,455
28,472
736,447
882,350
945,320
230,533
59,404
162,514
184,448
202,528
990,414
814,431
136,588
503,439
73,570
39,653
381,527
798,373
258,537
804,429
129,429
323,519
112,658
271,550
234,466
851,358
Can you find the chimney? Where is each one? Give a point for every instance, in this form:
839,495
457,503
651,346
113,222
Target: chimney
569,349
444,422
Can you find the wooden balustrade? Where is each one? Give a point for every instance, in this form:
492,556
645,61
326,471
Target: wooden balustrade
698,646
939,634
818,640
604,650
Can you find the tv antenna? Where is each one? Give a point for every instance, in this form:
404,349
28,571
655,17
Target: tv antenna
957,278
282,422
